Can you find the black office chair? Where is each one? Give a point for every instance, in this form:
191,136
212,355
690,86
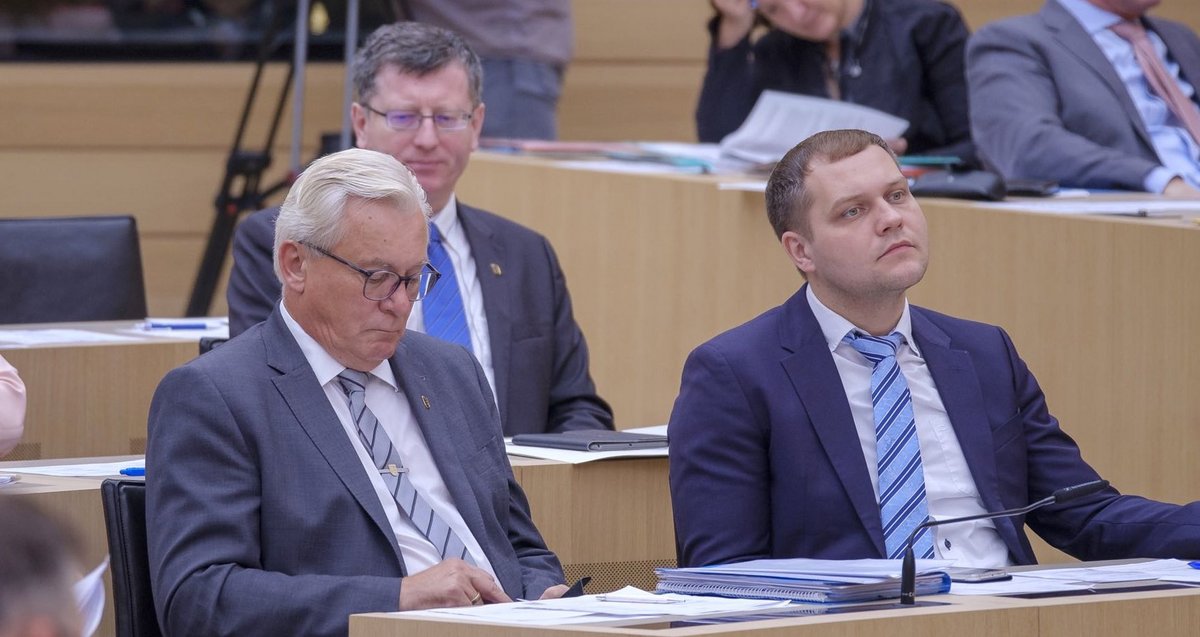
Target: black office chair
70,269
125,521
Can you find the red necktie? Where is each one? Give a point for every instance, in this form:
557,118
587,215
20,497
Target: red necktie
1160,80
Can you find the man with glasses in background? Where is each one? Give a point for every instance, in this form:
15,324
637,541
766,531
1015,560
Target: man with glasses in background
503,295
327,462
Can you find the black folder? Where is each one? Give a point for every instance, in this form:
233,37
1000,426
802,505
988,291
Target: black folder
592,440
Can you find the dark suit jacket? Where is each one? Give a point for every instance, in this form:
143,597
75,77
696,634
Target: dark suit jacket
766,461
1047,104
911,56
539,354
260,518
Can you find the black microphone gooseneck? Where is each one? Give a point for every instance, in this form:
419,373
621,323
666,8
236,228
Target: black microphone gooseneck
908,569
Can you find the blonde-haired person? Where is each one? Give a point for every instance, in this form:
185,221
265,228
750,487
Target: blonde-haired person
12,407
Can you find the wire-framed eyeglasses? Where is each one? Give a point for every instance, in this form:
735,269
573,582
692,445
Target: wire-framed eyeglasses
411,120
380,285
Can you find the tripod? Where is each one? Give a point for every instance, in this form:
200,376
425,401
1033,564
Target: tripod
241,188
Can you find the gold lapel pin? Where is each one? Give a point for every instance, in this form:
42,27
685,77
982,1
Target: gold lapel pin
425,401
496,269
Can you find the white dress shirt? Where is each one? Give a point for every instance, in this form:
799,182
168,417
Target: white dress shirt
12,407
454,238
949,486
387,401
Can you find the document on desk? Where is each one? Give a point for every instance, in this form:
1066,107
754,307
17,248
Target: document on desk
780,120
579,457
1156,207
86,470
627,603
54,336
182,329
1084,578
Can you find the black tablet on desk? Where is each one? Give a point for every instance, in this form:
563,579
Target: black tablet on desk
592,440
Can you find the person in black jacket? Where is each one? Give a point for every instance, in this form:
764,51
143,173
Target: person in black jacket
903,57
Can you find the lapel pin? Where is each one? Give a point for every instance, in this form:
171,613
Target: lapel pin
425,401
496,269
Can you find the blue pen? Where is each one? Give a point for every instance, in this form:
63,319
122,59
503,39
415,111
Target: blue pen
177,326
134,471
1195,565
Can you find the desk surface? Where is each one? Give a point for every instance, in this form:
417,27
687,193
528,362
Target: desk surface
1160,613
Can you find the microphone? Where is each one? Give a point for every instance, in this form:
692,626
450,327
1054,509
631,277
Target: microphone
908,569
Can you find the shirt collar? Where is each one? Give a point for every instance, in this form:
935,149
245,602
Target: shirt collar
324,366
1093,19
447,218
835,327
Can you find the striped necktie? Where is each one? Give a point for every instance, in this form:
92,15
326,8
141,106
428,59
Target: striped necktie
902,504
395,475
443,306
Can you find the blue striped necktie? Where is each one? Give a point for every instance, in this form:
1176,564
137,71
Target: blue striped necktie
395,475
902,503
443,306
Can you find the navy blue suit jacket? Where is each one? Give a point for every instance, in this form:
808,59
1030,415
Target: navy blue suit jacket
260,518
539,355
766,461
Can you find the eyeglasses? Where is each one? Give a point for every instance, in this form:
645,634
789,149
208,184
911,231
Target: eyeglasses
380,285
409,120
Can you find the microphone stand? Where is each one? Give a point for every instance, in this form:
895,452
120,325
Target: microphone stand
908,569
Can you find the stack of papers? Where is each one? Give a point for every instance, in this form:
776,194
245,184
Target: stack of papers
627,603
804,580
1085,578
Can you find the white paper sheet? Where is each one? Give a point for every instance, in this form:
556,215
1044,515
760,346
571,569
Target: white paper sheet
29,338
95,469
578,457
1083,577
779,121
1074,206
627,603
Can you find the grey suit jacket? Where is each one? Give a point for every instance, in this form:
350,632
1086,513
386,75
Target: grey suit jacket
260,518
539,355
1047,104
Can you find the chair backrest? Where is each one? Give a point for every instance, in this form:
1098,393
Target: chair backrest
125,521
70,269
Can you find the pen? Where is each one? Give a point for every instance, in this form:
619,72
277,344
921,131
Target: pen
576,589
133,471
1194,564
177,326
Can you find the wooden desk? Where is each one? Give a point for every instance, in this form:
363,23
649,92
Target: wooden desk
91,399
1101,308
609,519
1159,613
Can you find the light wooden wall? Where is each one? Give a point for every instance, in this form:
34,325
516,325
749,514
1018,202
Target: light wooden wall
151,139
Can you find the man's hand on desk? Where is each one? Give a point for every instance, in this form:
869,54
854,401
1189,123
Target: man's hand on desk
452,582
1180,189
554,592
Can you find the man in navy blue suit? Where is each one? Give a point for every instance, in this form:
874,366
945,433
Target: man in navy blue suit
786,431
419,99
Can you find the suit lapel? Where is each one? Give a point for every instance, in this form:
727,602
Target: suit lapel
445,430
958,386
1076,41
814,376
309,405
490,264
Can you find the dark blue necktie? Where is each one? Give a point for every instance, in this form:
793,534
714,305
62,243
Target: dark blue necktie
902,503
443,306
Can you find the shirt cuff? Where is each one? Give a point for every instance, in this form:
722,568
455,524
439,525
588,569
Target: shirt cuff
1156,180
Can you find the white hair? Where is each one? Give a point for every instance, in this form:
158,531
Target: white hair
315,206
